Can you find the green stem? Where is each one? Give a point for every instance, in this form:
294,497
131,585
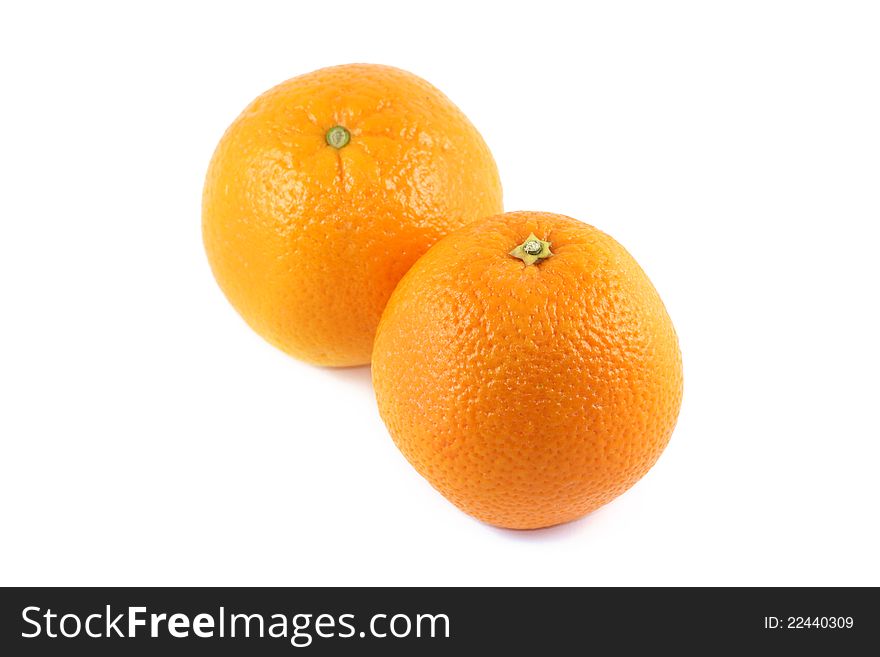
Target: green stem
337,136
532,250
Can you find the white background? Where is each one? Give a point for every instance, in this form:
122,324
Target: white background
149,437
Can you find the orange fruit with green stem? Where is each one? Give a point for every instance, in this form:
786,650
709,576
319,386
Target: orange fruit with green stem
323,193
527,368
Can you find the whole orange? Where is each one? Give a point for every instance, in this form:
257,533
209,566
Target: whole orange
528,369
325,190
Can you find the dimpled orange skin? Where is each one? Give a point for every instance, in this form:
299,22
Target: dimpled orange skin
307,241
528,395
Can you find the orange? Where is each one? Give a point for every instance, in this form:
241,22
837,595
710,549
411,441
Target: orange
325,190
528,369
